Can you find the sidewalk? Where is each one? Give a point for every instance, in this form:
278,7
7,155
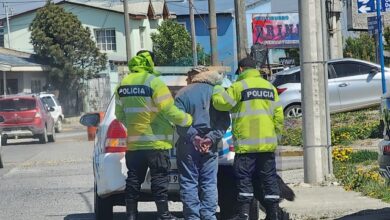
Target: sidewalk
330,202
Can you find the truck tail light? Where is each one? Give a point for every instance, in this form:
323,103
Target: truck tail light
116,140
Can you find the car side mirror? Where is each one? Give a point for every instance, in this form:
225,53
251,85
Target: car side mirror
51,109
90,119
374,71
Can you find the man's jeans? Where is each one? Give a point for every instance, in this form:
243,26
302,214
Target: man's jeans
198,183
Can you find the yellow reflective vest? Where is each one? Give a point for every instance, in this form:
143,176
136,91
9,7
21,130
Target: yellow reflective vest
257,116
144,104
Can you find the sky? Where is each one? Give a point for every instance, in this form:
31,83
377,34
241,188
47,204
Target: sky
17,6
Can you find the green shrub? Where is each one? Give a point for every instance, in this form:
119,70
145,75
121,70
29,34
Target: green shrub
292,136
345,128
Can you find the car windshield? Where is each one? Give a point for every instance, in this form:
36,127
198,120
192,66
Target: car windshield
288,78
17,104
47,100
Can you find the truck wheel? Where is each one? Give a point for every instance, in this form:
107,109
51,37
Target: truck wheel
103,207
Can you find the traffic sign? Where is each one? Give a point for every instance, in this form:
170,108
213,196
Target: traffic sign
368,6
372,24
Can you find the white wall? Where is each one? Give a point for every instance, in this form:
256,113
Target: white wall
284,6
92,18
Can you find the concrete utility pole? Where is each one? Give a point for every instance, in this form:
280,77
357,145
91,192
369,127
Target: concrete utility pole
335,36
213,33
127,29
317,164
241,31
8,27
193,38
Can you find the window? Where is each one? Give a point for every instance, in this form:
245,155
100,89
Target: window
288,78
36,86
345,69
105,39
17,104
142,36
47,100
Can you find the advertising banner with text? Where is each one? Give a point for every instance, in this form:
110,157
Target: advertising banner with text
276,30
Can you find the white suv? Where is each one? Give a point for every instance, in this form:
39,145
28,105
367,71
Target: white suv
110,170
58,116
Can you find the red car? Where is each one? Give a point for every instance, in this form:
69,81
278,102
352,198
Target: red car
25,116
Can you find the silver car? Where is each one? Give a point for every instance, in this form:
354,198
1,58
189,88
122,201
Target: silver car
353,84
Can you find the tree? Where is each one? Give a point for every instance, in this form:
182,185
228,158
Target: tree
60,40
172,46
386,35
362,47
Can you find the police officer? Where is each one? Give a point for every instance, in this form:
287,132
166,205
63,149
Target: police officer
145,106
257,118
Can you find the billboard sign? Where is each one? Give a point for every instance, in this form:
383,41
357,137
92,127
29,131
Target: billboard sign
276,30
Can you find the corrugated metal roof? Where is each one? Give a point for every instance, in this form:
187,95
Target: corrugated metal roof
136,7
158,7
201,6
16,58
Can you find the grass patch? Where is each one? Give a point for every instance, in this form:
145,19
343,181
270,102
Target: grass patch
345,128
359,171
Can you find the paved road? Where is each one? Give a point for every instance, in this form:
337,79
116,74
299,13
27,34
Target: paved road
55,180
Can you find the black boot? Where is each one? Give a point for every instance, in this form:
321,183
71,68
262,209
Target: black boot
243,212
131,210
273,211
163,211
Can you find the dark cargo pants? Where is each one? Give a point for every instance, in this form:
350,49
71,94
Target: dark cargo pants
250,166
137,163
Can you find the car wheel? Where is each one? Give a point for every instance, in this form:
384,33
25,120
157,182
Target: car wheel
293,111
3,141
1,162
52,137
43,137
103,207
59,125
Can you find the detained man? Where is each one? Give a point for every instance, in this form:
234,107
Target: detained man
197,154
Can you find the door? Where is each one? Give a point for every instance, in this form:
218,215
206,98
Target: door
334,97
357,87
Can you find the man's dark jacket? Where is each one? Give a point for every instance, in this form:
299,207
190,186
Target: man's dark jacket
195,99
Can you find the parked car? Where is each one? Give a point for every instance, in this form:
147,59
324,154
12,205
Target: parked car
110,170
1,160
25,116
384,145
353,84
51,101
